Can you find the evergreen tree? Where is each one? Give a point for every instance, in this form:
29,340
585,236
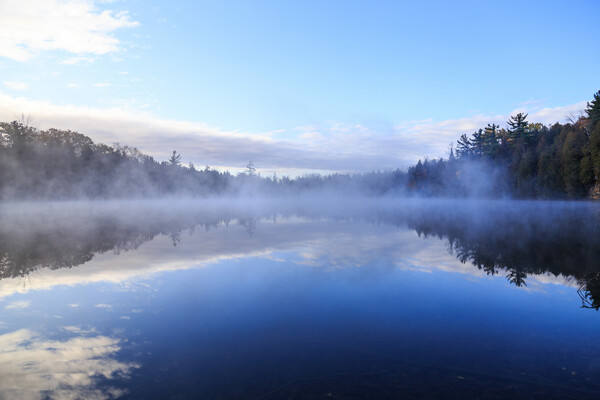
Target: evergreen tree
490,140
594,151
250,170
477,143
463,146
572,153
593,111
175,159
517,126
451,157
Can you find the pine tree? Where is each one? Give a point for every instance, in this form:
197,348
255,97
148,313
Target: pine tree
593,114
595,151
250,170
517,126
593,111
477,143
490,139
571,155
175,159
463,146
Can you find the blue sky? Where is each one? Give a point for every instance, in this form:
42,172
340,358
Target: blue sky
294,86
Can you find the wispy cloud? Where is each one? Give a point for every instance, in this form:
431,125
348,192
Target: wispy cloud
78,60
16,85
326,147
74,26
78,330
17,305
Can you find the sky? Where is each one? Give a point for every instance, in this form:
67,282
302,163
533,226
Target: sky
296,87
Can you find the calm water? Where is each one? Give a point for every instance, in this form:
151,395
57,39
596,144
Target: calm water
311,299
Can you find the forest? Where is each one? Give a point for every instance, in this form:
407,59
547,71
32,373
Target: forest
524,160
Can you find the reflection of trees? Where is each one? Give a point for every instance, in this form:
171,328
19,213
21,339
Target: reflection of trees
550,239
589,291
175,237
249,224
514,239
75,240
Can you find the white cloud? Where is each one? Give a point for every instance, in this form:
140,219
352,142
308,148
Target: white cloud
17,305
74,26
16,85
78,330
78,60
325,148
33,367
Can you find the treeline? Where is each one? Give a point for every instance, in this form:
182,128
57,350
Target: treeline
65,164
523,160
62,164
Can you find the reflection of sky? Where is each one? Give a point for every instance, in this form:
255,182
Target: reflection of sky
315,243
33,366
225,311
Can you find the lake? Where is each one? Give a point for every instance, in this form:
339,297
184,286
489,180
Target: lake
306,298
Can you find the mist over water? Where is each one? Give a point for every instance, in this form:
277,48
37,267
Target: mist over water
300,297
499,236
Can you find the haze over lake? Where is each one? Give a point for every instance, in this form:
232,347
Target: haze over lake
329,298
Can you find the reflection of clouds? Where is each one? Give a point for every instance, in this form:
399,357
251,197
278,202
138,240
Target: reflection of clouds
17,304
78,330
121,268
547,278
315,243
32,367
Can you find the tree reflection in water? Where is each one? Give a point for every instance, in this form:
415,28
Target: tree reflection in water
516,239
589,291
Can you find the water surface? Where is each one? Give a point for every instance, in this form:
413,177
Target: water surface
323,299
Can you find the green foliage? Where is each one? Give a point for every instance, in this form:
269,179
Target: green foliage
539,161
16,135
594,150
60,164
517,126
490,140
463,146
593,111
477,143
572,152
